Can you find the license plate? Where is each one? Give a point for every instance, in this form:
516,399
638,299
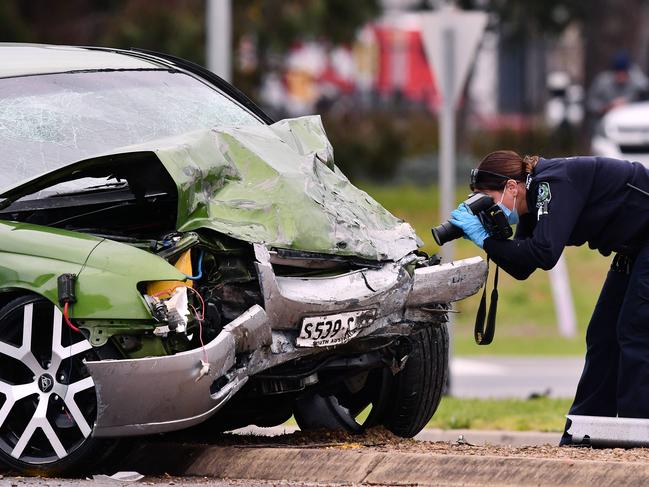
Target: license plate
328,330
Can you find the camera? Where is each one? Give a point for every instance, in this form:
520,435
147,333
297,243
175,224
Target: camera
490,214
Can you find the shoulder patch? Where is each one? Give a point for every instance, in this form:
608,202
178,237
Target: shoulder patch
543,197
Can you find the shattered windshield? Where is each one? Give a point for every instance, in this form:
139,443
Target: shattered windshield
49,121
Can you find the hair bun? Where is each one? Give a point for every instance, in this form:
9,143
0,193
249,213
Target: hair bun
529,163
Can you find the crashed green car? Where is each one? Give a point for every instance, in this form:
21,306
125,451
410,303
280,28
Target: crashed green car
170,256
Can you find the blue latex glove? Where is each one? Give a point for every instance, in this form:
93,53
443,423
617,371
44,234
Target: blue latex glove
470,225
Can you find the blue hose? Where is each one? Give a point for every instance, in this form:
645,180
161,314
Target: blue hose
200,268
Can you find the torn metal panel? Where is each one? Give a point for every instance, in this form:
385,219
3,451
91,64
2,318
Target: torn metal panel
250,330
388,289
306,135
33,256
288,299
277,184
448,282
168,393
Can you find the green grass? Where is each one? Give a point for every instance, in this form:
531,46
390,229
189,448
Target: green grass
526,317
542,414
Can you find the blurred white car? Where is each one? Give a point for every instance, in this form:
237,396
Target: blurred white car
623,133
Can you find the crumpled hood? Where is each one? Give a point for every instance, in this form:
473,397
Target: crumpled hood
272,184
277,184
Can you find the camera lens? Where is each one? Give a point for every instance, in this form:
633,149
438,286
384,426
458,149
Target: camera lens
446,232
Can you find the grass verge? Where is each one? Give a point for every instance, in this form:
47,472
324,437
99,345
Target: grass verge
538,414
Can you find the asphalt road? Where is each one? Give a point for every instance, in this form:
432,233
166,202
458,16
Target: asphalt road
500,377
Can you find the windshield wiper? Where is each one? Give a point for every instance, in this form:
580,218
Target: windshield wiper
116,184
5,202
108,185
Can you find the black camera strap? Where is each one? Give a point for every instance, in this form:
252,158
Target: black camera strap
484,335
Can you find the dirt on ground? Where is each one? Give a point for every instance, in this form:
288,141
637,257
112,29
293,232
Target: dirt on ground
375,439
380,439
165,481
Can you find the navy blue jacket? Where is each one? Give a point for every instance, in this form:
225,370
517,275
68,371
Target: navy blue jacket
589,201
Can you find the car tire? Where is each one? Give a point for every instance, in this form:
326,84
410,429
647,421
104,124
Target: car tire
47,398
340,411
417,389
403,403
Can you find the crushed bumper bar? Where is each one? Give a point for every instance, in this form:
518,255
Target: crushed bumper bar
447,283
391,288
160,394
170,390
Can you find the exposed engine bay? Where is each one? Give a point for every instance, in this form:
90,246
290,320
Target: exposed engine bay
131,199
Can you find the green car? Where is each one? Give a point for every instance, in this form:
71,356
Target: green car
169,256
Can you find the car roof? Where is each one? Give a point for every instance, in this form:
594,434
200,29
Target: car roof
31,59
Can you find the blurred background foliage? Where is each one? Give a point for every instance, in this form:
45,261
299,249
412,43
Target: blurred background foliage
387,144
372,142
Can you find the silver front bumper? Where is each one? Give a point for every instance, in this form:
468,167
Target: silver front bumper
390,289
159,394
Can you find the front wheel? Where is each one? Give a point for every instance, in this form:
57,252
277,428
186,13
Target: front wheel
403,403
48,403
357,404
417,390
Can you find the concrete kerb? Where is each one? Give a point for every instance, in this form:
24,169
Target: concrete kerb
363,466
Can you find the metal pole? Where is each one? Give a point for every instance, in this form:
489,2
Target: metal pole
562,295
447,137
219,37
447,159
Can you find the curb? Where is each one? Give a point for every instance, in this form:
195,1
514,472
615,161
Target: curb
335,465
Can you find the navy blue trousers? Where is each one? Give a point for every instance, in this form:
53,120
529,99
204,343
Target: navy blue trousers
615,379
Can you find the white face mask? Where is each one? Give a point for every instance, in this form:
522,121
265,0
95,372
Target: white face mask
512,215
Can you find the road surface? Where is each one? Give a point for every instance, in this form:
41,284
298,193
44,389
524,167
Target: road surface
519,377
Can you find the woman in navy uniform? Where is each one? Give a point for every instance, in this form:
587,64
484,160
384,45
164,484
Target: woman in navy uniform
572,201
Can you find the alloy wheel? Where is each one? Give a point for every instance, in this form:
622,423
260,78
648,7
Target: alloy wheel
47,398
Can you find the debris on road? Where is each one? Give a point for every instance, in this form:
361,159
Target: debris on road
381,440
119,478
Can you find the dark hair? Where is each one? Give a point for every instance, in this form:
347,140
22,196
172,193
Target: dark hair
498,167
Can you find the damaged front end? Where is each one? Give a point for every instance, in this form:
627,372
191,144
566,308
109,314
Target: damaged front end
209,259
173,392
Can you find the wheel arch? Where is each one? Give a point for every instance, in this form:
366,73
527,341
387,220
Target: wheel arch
8,294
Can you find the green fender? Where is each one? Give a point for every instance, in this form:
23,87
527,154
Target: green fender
32,257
